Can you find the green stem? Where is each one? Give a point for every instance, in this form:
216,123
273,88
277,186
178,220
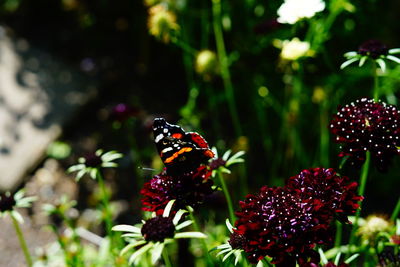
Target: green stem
223,60
22,242
324,141
376,82
166,258
361,190
106,204
396,211
338,235
227,197
203,242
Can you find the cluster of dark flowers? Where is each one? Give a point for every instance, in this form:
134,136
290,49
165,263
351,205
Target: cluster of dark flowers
285,223
367,125
187,188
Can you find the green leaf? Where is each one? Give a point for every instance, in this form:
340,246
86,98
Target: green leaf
178,216
222,252
227,255
190,235
351,258
229,225
156,252
126,228
17,216
80,174
75,168
381,64
168,208
134,258
131,246
362,61
348,62
183,225
393,58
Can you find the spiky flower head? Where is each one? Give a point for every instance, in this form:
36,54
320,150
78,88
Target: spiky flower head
366,125
10,202
372,226
91,163
154,234
188,189
7,202
279,224
162,22
374,50
330,194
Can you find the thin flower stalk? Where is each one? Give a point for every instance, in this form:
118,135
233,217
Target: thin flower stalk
22,241
361,191
396,211
227,196
106,205
223,59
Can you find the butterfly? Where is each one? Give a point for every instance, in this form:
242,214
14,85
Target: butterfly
180,151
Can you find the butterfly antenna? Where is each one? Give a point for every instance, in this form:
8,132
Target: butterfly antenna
146,169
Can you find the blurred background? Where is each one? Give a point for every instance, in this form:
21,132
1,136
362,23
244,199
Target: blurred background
76,76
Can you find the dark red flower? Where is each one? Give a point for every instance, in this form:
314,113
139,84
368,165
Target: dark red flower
121,112
7,202
373,48
367,125
237,241
330,194
93,160
158,228
279,224
189,189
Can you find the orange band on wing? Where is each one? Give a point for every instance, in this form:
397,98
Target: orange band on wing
209,153
176,154
177,135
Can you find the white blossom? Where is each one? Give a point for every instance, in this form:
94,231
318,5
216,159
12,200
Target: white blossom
292,11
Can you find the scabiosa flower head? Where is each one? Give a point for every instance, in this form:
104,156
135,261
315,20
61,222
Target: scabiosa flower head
373,48
189,189
292,11
92,160
91,163
279,224
154,234
158,229
7,202
330,194
367,125
237,241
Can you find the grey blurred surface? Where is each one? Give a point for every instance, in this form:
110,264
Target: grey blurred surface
38,95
